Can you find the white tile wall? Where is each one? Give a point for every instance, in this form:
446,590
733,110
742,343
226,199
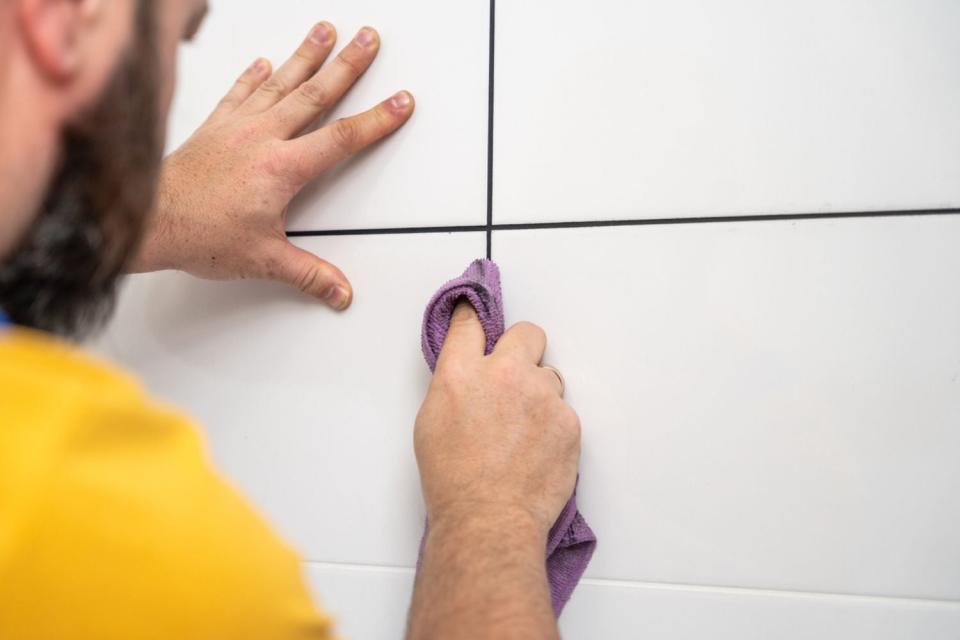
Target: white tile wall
650,109
638,611
764,404
433,171
311,412
770,409
368,601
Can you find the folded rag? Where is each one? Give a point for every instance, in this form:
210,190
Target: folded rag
570,543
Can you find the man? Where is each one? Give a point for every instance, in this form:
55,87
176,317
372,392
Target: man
112,525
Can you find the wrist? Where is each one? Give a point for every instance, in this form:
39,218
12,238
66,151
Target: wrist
468,522
146,259
153,249
483,574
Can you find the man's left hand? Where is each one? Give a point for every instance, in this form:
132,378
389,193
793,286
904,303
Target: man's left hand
224,194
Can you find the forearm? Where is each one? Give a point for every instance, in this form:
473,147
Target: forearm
483,578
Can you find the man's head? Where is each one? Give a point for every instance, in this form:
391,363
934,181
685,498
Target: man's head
86,85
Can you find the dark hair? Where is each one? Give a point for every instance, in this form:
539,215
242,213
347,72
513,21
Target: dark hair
62,276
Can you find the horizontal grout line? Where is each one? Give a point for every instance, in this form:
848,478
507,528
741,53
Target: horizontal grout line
636,222
669,586
788,593
772,217
387,231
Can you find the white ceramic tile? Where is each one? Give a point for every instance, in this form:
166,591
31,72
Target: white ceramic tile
764,404
366,603
649,108
309,412
618,612
433,171
372,604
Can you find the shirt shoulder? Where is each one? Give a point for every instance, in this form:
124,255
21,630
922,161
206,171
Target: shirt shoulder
112,516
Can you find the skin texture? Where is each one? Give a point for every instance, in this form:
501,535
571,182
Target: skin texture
496,445
224,194
497,449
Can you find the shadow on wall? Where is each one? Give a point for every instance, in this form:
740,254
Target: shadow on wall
187,317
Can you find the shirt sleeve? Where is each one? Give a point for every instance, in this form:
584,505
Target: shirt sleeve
130,534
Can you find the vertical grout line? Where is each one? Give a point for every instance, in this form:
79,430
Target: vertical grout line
493,16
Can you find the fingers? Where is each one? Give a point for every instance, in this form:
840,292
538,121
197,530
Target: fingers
317,151
323,90
296,70
524,340
312,275
252,77
465,338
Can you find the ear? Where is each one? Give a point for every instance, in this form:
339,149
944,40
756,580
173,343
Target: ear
53,33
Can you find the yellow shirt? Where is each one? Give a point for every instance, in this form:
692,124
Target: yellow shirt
113,524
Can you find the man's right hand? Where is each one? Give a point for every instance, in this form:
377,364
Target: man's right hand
494,437
497,449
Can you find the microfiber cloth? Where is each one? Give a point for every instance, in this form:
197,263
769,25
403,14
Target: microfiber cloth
570,543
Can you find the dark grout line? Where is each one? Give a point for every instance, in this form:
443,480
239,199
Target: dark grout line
769,217
386,231
490,87
586,224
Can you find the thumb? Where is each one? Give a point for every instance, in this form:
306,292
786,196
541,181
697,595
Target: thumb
312,275
465,338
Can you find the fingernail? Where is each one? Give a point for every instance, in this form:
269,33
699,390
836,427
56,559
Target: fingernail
400,101
321,33
366,37
337,296
259,65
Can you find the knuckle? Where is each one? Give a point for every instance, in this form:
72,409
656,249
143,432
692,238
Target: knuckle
531,330
345,133
571,423
314,95
568,426
420,439
306,54
247,132
274,86
385,122
351,64
462,318
451,376
227,102
307,279
509,374
545,399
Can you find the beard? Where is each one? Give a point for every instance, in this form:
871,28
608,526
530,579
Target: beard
62,277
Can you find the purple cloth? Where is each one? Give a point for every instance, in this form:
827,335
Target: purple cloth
570,543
